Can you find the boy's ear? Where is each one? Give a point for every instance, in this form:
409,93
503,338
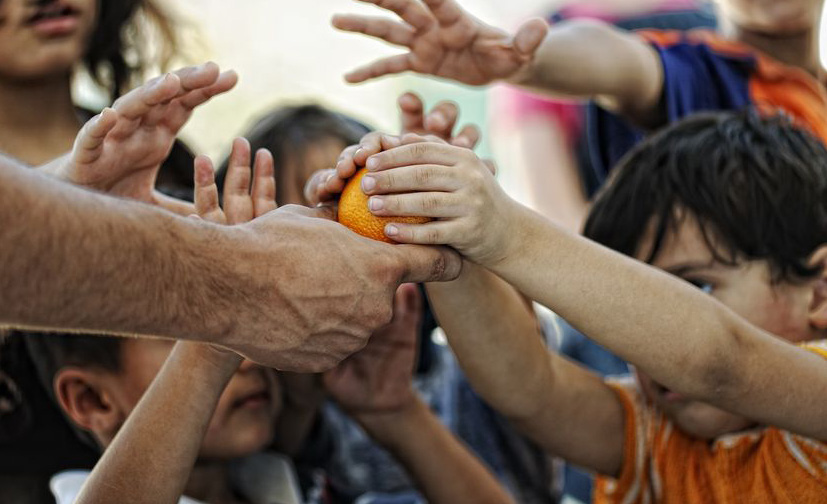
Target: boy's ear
818,305
87,399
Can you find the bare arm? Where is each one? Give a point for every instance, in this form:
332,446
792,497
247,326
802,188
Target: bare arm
584,59
443,468
565,409
73,259
151,458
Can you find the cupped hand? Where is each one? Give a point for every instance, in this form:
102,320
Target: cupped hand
121,150
445,41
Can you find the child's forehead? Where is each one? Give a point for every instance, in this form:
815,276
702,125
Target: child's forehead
685,241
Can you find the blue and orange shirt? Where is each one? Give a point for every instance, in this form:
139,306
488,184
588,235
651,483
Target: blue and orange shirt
705,72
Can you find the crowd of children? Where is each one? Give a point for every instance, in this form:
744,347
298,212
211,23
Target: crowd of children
703,264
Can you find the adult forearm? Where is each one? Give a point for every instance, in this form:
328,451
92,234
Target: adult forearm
496,339
445,471
592,60
83,261
152,456
644,315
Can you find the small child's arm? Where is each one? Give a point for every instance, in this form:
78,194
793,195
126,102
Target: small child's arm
152,456
584,59
681,337
375,388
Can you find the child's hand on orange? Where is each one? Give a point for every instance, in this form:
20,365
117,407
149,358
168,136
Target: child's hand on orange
440,122
451,185
248,194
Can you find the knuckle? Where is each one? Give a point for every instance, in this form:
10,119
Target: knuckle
423,176
430,203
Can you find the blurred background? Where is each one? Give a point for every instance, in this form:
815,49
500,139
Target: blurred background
287,52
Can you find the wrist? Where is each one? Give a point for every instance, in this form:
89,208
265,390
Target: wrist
391,427
206,363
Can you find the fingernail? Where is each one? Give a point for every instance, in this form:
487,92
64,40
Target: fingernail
368,183
372,164
375,204
391,230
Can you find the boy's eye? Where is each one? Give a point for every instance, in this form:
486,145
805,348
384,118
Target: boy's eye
706,287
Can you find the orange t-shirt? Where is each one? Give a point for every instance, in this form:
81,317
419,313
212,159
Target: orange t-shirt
662,464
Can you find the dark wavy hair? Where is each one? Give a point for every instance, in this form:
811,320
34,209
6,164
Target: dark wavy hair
117,52
757,186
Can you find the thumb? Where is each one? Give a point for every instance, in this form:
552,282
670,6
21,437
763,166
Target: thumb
428,264
530,35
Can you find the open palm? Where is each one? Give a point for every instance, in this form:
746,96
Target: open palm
378,379
445,41
121,150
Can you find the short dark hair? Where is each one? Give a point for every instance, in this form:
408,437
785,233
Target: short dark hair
292,130
53,351
757,186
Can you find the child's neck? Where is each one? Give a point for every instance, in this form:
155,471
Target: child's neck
210,482
800,49
38,121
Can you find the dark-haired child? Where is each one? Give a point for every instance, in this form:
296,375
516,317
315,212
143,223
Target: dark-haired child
728,339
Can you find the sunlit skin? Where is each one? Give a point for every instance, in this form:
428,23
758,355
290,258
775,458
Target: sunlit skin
244,419
773,17
746,288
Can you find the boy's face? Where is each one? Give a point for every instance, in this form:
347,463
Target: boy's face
246,414
773,17
299,167
780,309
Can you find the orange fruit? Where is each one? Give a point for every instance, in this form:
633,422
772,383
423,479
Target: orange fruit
355,214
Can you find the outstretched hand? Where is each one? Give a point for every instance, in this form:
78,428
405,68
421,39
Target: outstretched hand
379,378
121,150
445,41
439,124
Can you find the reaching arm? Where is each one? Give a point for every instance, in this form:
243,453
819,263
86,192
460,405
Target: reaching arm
565,409
151,458
581,58
375,388
681,337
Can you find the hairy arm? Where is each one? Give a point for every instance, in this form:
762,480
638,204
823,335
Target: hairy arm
152,456
565,409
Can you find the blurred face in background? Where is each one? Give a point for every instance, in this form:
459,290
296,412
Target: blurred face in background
45,38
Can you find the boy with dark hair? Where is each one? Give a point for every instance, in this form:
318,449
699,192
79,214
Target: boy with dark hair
728,403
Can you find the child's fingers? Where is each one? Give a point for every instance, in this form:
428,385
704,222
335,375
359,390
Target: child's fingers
412,178
197,77
226,81
264,183
89,142
238,205
346,164
140,101
437,205
441,120
530,35
407,304
432,233
314,192
446,12
382,28
416,154
385,66
206,192
411,11
412,113
467,138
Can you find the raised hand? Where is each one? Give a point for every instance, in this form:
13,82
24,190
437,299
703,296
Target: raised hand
445,41
378,379
438,125
244,199
121,150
